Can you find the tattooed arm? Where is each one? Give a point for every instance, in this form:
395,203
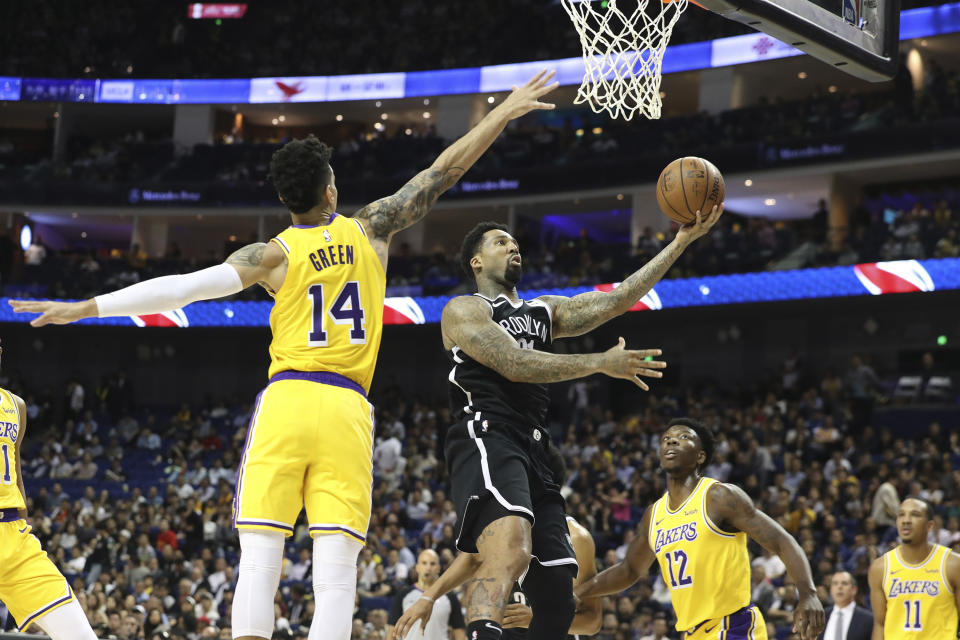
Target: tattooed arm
261,263
587,311
383,218
733,510
467,323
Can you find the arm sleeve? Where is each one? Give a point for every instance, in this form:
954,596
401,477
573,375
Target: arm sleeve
170,292
456,613
396,609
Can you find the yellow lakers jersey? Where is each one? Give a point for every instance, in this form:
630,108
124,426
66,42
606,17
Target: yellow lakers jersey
10,496
920,602
706,569
328,315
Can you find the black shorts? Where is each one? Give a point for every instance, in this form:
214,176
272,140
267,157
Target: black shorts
499,470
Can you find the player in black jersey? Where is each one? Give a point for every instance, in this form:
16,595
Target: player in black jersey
508,502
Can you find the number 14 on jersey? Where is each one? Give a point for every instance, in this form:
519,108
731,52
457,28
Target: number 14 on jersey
346,309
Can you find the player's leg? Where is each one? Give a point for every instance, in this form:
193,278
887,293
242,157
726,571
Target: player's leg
67,623
334,586
491,492
337,497
34,590
548,584
268,501
504,549
261,558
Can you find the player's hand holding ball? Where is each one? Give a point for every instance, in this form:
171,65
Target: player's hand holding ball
690,191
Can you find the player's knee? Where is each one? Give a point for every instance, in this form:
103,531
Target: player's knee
335,562
261,551
513,560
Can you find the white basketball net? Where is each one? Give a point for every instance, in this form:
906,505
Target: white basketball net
623,53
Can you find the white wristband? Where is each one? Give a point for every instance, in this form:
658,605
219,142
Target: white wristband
427,598
170,292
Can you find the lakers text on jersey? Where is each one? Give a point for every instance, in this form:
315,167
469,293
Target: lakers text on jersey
706,569
311,435
920,601
30,584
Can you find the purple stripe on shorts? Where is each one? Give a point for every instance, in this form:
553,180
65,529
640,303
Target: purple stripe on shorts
26,623
238,485
341,529
259,523
323,377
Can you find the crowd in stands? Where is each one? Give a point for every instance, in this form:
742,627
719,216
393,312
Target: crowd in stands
134,505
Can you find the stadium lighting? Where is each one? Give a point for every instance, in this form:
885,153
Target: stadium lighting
339,117
748,182
491,99
770,202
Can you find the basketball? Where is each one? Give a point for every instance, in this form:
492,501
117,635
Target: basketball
688,185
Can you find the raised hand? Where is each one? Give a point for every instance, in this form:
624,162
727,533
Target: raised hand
618,362
525,99
693,230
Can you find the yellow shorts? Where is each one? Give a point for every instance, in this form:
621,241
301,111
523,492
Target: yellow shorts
309,444
745,624
30,584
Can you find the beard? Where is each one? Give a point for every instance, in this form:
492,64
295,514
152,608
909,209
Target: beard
512,274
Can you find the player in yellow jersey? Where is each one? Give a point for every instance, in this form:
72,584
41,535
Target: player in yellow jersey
30,585
310,438
915,587
698,532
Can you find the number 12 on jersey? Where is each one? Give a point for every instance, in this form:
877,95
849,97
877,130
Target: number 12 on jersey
346,309
681,580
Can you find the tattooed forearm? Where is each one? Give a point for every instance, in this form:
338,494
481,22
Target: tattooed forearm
466,320
393,213
587,311
248,256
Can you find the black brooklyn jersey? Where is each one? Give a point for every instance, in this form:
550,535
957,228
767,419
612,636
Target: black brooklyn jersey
475,388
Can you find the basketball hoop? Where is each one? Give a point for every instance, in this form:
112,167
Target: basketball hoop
623,53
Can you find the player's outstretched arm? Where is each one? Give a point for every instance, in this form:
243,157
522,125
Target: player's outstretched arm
878,599
625,573
466,323
263,263
386,216
459,571
728,505
587,311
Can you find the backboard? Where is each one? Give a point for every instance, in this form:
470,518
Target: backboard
860,37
